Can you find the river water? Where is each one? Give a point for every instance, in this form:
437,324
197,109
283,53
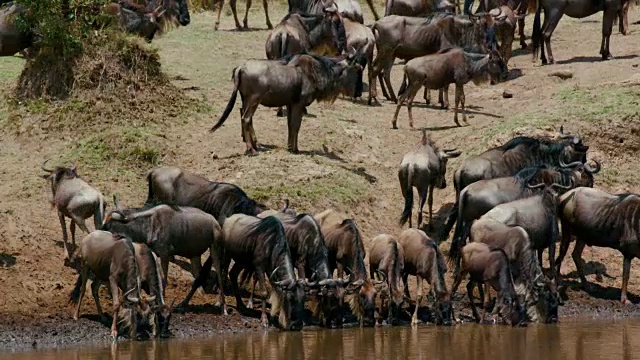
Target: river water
611,339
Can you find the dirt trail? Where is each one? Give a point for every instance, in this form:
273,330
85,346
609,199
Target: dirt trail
349,161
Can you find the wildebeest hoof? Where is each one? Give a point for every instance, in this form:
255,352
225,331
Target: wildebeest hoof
269,26
250,305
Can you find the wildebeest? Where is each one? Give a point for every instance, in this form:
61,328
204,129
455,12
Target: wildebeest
169,231
424,168
597,218
386,258
260,246
175,11
142,22
151,283
310,258
111,258
439,70
518,153
12,38
360,38
535,214
541,298
417,7
555,9
294,83
481,196
519,7
490,265
171,185
406,38
347,253
350,9
423,259
74,198
300,33
506,21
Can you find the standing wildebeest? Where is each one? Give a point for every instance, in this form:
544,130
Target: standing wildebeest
347,253
598,218
490,265
151,282
535,214
555,9
410,37
75,199
424,168
519,7
386,258
423,259
360,38
171,185
541,298
439,70
481,196
260,246
506,160
169,231
417,8
111,258
294,83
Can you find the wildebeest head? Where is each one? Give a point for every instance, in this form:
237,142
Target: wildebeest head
443,158
349,71
329,294
135,314
160,319
332,24
362,300
58,175
287,303
575,149
516,312
581,174
177,9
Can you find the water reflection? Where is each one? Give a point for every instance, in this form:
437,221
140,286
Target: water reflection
566,341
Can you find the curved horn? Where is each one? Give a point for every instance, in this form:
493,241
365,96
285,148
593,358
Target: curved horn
273,273
567,187
382,275
284,283
538,186
572,164
310,284
45,169
151,298
327,282
591,170
357,283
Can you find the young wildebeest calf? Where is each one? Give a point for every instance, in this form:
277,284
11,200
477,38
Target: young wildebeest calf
541,298
386,258
485,264
448,66
259,246
598,218
424,168
75,199
171,185
111,258
423,259
346,253
151,283
294,82
169,231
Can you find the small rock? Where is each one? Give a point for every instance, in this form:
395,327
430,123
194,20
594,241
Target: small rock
507,94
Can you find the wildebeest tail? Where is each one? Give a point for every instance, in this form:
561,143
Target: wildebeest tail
460,235
536,35
232,101
404,86
98,213
75,293
408,198
150,184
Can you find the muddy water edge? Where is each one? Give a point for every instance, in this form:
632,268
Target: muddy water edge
568,340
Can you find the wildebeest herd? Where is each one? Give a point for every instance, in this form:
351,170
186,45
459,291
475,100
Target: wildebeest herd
509,199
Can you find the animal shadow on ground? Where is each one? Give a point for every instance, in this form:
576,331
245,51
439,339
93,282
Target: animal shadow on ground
7,260
201,309
438,128
325,152
589,59
360,171
591,268
438,221
600,292
473,110
241,30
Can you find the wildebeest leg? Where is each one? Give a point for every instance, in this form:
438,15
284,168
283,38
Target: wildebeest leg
487,296
426,96
406,97
215,27
265,5
72,227
430,204
294,119
95,287
113,284
470,286
380,77
551,20
340,269
164,264
265,320
65,237
626,267
455,110
373,91
253,289
607,28
414,318
245,21
577,259
387,81
247,125
552,255
523,43
405,280
196,265
83,278
233,278
232,3
462,101
564,246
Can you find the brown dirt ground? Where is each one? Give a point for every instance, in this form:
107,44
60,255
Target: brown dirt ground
349,161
